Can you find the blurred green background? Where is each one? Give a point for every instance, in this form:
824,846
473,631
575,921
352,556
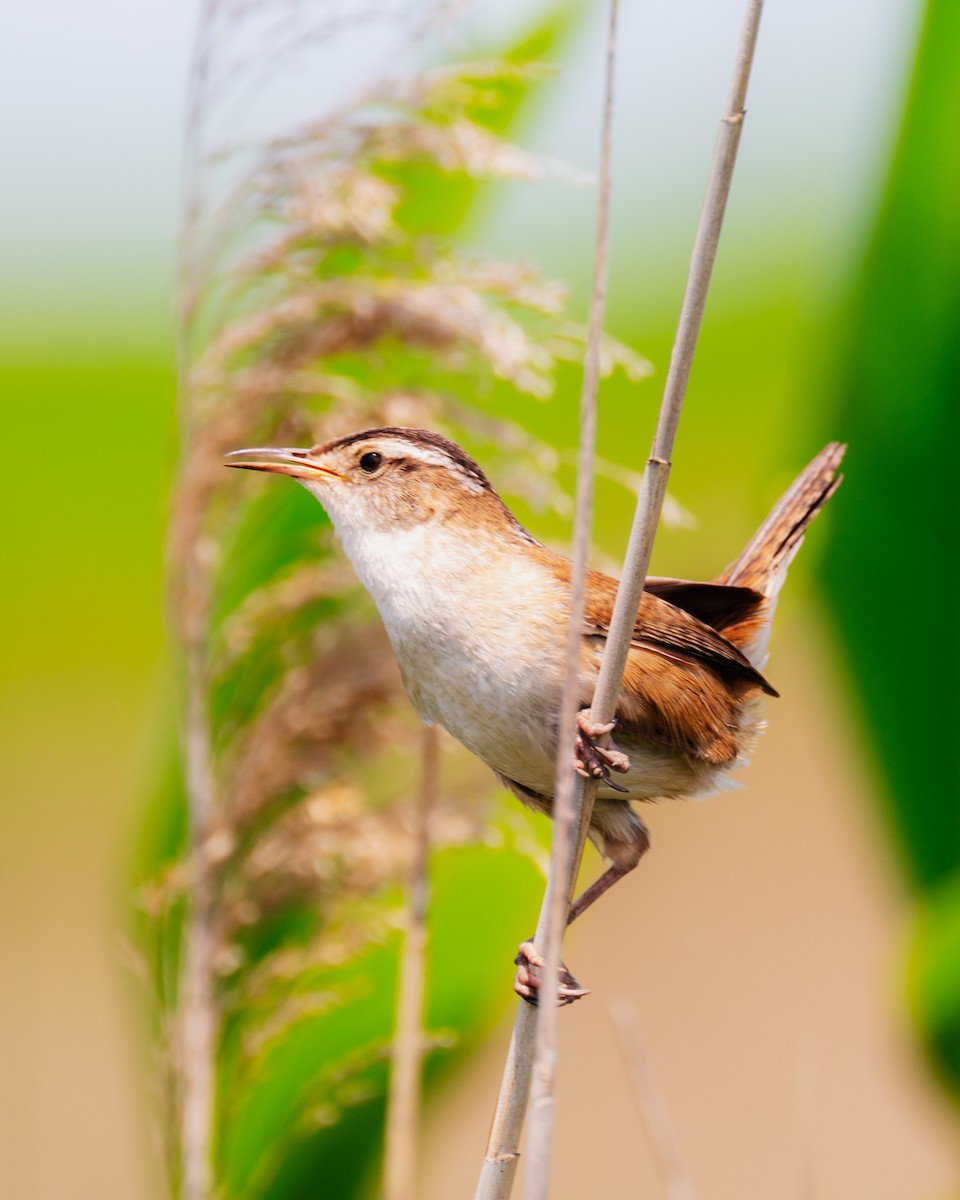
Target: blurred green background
834,314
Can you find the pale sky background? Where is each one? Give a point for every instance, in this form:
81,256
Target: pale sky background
93,94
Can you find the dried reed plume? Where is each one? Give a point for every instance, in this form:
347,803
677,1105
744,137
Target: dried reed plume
316,301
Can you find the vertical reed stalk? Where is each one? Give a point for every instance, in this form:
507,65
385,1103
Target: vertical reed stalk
197,1016
403,1111
198,1022
564,849
650,1103
499,1166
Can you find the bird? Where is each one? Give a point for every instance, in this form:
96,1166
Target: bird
477,609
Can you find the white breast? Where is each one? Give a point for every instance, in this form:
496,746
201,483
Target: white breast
472,630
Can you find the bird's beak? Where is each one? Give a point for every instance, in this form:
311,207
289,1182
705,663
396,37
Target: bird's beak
297,463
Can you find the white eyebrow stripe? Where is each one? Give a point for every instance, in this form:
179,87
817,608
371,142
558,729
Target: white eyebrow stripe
436,458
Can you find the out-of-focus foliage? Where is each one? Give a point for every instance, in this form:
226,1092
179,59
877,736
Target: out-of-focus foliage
346,306
894,563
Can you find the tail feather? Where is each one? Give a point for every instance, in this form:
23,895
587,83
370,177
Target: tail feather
763,564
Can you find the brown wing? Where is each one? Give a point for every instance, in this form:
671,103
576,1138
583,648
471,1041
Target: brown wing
718,605
684,682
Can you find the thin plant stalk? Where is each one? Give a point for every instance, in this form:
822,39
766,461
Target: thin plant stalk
403,1108
499,1167
650,499
198,1022
560,880
198,1034
651,1104
197,1019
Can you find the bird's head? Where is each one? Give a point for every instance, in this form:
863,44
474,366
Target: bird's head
386,479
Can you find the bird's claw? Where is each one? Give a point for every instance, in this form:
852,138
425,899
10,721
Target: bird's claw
593,761
527,982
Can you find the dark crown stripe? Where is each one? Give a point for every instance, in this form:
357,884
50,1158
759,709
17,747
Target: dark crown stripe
417,437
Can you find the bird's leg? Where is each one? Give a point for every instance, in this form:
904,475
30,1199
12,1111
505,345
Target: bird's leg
625,854
624,851
593,760
596,889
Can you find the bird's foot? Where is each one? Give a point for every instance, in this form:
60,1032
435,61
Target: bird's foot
527,982
593,761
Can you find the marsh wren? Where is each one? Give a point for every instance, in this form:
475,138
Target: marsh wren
476,610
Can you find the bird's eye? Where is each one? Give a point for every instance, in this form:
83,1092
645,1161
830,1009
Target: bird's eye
370,461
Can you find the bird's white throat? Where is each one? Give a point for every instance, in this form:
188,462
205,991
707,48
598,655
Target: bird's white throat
472,622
